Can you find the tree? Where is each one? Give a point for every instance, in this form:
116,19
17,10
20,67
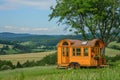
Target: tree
98,18
19,65
5,47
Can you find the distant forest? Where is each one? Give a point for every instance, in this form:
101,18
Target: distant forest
11,43
25,43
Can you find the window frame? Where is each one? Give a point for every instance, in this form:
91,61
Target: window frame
75,52
86,53
78,53
65,51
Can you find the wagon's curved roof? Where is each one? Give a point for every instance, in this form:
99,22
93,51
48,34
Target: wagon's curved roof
91,43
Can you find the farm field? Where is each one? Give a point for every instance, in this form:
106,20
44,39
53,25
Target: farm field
52,73
14,58
1,45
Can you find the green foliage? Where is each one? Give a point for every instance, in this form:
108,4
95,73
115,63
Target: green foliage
29,64
8,42
96,57
99,18
3,49
48,60
22,48
19,65
6,65
113,59
33,43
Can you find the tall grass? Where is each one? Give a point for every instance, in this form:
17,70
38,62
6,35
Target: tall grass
51,73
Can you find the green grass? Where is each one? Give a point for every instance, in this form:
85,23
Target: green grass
10,51
52,73
112,52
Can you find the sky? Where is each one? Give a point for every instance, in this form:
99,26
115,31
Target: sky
29,16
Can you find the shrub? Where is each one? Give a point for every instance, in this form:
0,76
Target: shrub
29,63
5,67
19,65
114,45
8,63
48,60
113,59
96,57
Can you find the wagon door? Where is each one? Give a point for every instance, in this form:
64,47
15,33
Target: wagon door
65,55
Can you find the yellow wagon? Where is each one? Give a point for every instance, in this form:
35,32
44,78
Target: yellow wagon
76,53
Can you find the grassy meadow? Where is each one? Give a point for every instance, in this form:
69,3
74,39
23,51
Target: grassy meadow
52,73
14,58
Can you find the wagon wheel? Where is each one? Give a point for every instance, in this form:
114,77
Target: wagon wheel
77,66
71,65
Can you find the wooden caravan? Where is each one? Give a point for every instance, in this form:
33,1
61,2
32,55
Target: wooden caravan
76,53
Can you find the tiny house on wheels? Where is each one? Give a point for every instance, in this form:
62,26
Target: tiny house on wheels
76,53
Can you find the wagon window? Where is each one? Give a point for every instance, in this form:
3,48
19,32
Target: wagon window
73,51
78,51
85,51
63,52
65,43
67,51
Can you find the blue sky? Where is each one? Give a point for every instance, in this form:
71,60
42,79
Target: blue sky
28,16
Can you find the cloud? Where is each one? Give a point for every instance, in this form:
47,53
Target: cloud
23,29
8,27
36,4
34,30
40,29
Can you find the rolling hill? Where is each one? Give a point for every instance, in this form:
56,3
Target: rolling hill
24,43
26,37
